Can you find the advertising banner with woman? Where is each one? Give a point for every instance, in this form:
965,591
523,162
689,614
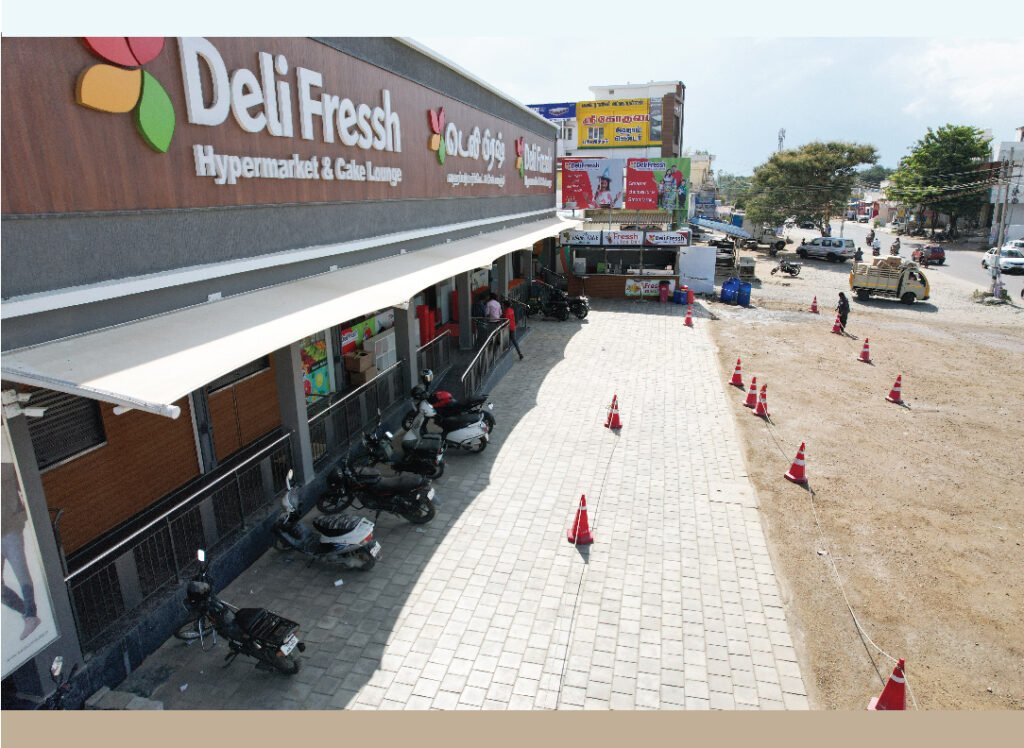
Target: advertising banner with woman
27,616
592,183
658,184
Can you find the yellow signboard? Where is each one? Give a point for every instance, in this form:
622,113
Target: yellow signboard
617,123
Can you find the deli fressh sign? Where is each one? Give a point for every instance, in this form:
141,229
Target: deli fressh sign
251,121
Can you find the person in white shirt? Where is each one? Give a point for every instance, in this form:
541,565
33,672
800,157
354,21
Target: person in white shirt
492,309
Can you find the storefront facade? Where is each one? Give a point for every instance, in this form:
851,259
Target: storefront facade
195,234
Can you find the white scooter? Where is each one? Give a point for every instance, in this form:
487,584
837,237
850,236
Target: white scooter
466,431
343,538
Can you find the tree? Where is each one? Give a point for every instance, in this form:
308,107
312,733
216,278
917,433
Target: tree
733,189
812,183
873,175
945,172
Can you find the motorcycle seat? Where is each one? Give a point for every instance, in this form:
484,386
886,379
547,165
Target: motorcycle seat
461,420
333,525
401,482
247,619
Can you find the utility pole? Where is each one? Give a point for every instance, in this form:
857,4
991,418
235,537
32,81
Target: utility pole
782,137
1006,174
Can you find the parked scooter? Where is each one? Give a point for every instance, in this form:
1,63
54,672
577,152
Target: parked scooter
421,454
556,304
789,268
254,632
408,496
342,539
446,405
578,305
467,431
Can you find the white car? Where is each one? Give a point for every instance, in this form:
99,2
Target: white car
1011,257
833,250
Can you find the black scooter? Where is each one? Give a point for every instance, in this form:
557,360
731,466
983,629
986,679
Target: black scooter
408,496
421,454
791,269
254,632
578,305
555,304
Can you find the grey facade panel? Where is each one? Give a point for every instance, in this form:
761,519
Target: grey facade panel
19,332
393,55
52,252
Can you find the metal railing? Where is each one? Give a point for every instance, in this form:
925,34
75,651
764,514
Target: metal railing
482,364
334,429
436,355
108,588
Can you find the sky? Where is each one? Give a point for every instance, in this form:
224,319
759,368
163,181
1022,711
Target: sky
884,92
750,67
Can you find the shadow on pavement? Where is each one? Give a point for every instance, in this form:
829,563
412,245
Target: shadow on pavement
347,627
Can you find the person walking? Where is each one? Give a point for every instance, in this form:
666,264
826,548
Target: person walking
15,519
492,309
510,315
843,309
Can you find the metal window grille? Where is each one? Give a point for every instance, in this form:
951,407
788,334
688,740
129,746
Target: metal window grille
70,425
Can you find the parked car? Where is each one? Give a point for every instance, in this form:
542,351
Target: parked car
807,225
930,254
1011,257
863,219
833,250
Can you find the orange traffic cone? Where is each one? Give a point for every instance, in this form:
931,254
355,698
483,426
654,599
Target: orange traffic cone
737,375
613,422
814,305
894,695
865,353
762,402
689,316
751,400
894,393
837,328
796,471
579,533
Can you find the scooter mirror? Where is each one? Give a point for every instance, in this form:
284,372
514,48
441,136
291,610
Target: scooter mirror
201,555
56,667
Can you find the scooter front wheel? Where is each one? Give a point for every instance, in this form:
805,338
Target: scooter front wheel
332,503
419,513
580,311
479,446
194,629
774,271
436,472
795,272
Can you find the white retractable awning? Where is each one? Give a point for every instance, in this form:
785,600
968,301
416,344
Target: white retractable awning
151,363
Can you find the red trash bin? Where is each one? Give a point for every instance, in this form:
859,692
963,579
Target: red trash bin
663,292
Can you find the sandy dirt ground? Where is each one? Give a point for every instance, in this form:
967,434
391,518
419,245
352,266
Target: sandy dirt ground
920,507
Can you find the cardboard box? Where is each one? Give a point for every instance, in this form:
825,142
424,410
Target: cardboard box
362,377
358,361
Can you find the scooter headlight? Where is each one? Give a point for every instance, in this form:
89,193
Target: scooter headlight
430,493
490,406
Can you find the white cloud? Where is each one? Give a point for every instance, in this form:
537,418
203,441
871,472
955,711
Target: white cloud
976,77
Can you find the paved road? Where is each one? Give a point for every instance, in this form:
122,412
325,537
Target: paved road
675,606
963,264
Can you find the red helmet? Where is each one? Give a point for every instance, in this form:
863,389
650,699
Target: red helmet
442,398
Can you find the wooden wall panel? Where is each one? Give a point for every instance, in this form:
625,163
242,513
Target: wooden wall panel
146,457
62,157
258,409
226,439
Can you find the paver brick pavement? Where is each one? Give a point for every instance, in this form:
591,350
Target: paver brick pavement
674,606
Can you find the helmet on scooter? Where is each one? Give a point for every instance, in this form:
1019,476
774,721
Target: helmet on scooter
426,376
419,392
442,398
